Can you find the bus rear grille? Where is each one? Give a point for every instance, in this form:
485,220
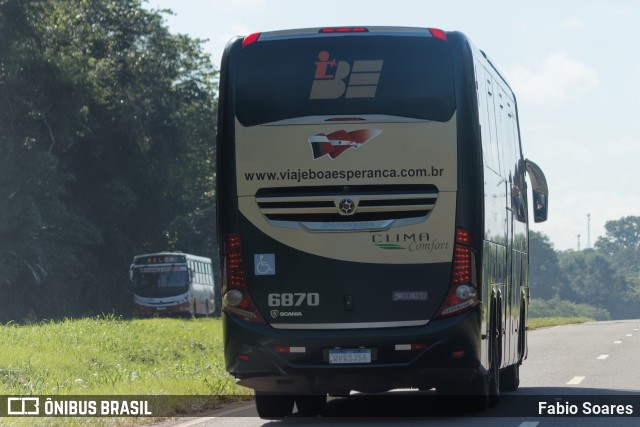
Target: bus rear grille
347,208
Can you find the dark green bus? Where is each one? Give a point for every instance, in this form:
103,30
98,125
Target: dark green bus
372,216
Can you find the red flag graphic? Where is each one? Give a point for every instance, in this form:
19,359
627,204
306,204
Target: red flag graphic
340,141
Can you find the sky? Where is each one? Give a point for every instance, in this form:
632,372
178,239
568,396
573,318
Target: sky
574,66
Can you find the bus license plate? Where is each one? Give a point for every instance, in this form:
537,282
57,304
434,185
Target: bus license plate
349,356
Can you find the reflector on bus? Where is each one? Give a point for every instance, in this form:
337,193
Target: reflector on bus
251,38
439,34
344,30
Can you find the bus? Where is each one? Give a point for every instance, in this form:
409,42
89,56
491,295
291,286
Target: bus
172,283
373,216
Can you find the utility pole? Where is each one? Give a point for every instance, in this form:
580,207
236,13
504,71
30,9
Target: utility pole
588,230
578,243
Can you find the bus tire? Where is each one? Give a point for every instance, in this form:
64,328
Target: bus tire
311,405
495,354
474,393
522,334
483,390
510,378
479,399
273,406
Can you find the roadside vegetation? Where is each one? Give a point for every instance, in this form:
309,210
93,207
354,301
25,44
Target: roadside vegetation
107,134
600,282
108,355
547,322
555,308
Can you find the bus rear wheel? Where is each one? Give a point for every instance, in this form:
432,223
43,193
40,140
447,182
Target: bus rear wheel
484,389
495,353
311,405
474,393
274,406
510,378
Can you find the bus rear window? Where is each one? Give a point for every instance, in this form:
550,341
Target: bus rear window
404,76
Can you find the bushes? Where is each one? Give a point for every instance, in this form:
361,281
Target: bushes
561,308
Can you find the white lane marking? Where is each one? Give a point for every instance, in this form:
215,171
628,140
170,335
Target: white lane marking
603,356
529,424
617,342
235,409
575,380
636,329
194,421
629,335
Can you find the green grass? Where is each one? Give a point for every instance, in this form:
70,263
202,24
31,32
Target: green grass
111,356
546,322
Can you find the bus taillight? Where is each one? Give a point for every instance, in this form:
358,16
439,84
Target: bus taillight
461,265
435,32
235,297
463,293
250,39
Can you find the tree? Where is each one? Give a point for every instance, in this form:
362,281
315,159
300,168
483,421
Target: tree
38,232
587,278
622,244
107,126
622,234
594,280
546,278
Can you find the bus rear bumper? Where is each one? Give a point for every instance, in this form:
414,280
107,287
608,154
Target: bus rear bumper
416,357
342,384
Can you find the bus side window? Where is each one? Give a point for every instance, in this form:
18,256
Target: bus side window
487,120
207,268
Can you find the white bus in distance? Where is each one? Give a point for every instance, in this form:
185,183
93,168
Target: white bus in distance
172,283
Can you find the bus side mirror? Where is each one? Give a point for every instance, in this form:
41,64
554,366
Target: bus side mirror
540,191
131,273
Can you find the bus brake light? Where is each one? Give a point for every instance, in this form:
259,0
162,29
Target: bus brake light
333,30
344,119
464,237
251,38
462,294
435,32
461,265
235,297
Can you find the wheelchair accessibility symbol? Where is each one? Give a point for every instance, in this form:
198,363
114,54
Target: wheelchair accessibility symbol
264,264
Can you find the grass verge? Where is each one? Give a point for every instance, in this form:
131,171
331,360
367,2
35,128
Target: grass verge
113,356
547,322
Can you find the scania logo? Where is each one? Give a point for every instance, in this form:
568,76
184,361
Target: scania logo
346,207
276,313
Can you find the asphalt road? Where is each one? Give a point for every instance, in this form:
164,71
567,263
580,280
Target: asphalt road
587,368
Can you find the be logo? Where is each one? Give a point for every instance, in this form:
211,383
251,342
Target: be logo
333,78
